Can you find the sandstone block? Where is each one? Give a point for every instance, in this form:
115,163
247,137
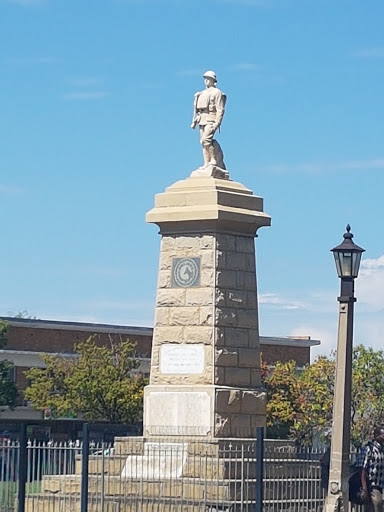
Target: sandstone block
236,261
129,446
236,337
199,297
207,277
206,259
224,357
162,316
206,315
198,334
164,279
258,420
184,316
222,425
255,377
165,261
241,425
166,334
219,336
167,243
237,377
245,244
246,281
254,339
226,279
226,242
188,242
250,263
207,242
252,300
221,262
219,375
236,299
247,318
249,357
226,317
171,297
228,401
219,297
252,402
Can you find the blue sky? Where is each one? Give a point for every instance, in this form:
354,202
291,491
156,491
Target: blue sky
96,100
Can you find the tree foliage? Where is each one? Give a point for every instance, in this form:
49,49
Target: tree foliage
8,389
300,402
98,383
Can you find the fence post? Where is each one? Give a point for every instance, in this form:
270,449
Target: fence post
259,468
84,469
22,470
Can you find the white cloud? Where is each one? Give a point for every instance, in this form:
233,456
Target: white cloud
85,95
377,163
272,299
370,53
326,334
370,285
368,316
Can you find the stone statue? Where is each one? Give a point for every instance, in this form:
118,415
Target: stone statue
208,113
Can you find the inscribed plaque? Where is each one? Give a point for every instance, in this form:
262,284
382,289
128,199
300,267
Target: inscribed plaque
178,413
182,359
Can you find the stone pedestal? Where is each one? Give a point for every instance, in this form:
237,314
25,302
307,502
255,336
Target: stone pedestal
205,367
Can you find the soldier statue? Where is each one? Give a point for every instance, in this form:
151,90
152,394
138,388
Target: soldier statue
208,113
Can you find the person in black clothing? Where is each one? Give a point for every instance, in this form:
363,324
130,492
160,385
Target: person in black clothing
371,462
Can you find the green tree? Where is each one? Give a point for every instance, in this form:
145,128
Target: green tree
301,402
8,389
97,383
316,383
367,392
283,393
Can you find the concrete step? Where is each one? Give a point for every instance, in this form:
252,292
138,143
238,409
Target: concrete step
69,503
194,467
186,488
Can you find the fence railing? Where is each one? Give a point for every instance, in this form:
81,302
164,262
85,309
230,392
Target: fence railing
163,475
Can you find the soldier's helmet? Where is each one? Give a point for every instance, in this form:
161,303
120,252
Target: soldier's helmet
210,74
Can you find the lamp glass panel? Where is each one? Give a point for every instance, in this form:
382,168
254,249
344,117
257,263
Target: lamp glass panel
346,264
356,263
337,263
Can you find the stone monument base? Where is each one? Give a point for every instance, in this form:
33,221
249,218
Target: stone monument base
161,475
203,410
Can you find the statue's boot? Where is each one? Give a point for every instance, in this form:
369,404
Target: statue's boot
212,155
219,155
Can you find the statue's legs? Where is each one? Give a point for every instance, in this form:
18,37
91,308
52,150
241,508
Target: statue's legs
219,155
206,156
212,152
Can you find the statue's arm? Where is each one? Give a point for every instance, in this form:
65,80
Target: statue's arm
195,118
220,108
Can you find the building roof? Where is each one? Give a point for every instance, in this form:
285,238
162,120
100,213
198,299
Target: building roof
292,341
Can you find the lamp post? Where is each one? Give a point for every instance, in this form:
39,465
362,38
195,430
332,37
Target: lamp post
347,258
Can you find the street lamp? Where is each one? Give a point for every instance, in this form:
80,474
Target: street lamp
347,258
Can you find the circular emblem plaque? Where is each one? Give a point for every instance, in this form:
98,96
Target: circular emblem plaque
186,272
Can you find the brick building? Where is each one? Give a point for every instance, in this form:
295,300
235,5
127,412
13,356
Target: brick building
29,339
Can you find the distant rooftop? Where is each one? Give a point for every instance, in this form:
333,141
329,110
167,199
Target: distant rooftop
295,341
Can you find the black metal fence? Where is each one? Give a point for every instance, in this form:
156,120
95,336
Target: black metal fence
134,474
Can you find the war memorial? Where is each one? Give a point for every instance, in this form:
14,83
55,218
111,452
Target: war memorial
205,380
